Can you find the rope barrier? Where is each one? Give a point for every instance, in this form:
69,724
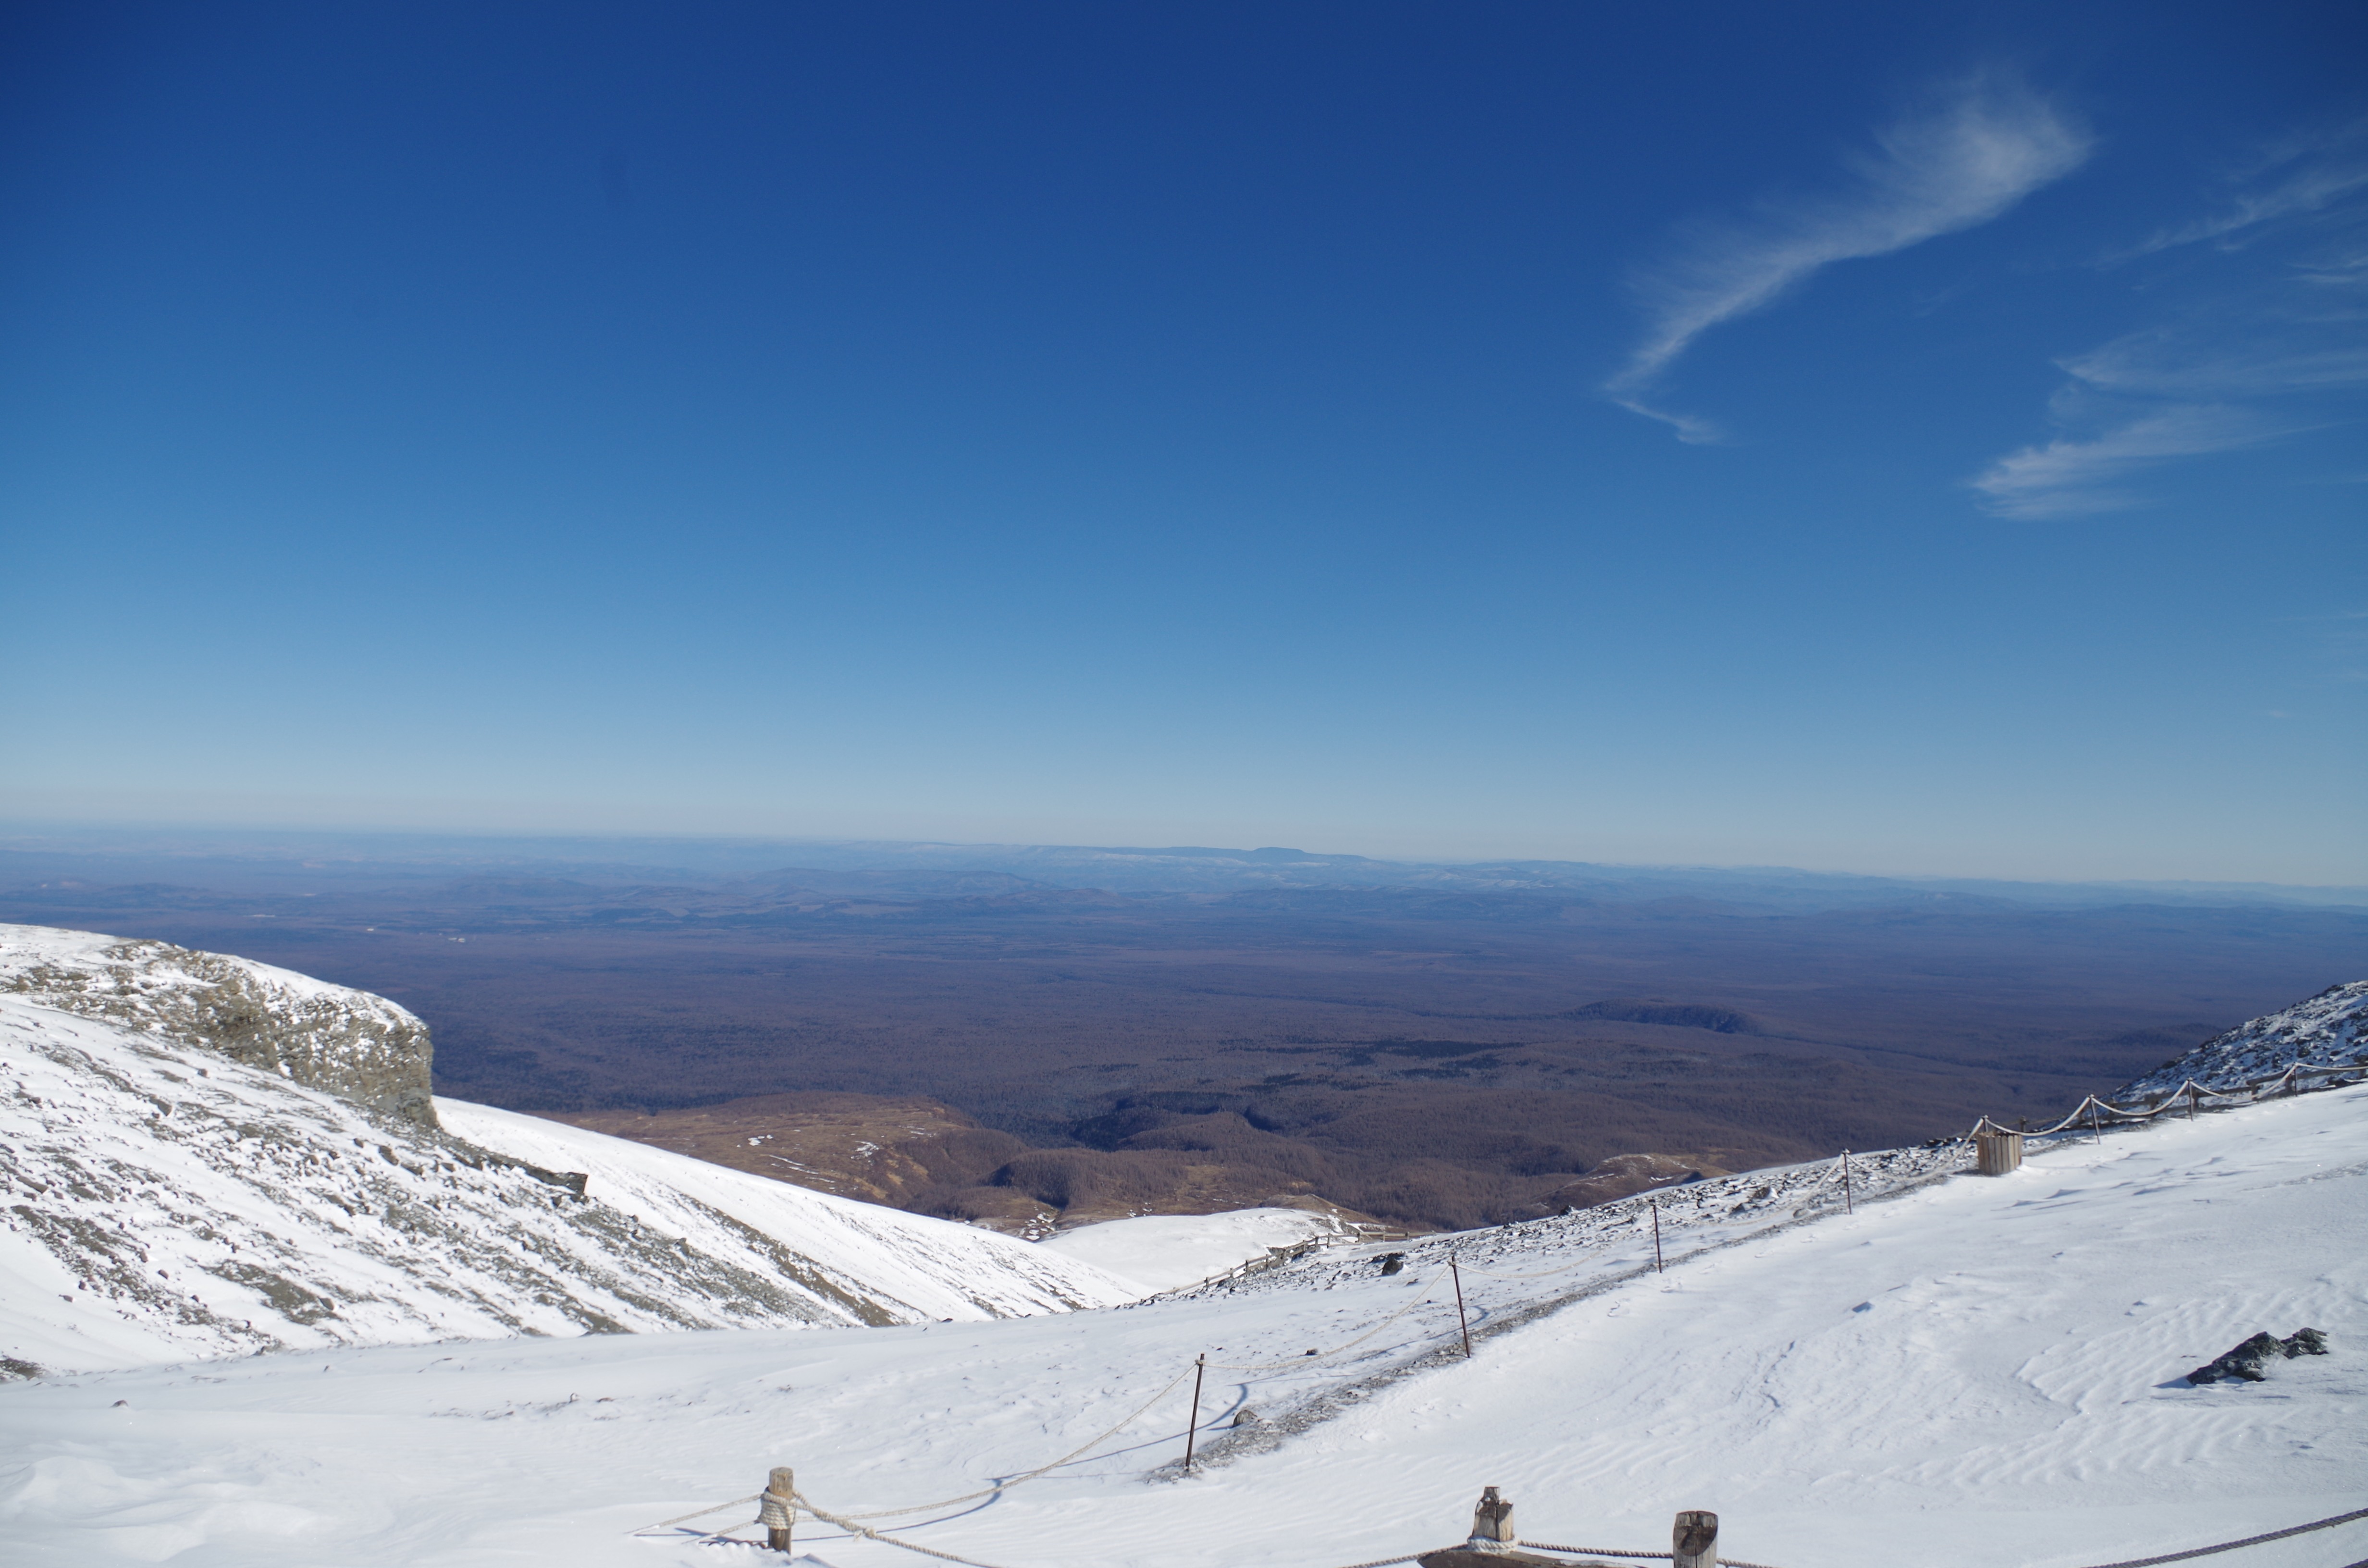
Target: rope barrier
848,1524
1645,1556
2249,1540
1542,1274
950,1502
1327,1354
685,1518
1040,1469
2249,1090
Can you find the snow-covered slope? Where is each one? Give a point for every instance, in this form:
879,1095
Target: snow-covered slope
2331,1026
1966,1371
1163,1252
164,1201
932,1267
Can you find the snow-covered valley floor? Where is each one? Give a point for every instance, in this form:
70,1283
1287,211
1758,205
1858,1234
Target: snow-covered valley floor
1972,1371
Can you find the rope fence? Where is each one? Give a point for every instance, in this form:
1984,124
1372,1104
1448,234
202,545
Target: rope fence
1073,1455
2248,1092
1640,1556
852,1525
1422,1300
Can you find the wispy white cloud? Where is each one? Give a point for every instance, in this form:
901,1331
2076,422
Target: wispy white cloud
2167,363
2072,477
1965,156
2312,174
2269,344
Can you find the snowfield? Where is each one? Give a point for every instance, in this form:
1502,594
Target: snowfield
1966,1371
1164,1252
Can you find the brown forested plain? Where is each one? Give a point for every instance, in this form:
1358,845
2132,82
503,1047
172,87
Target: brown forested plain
1433,1057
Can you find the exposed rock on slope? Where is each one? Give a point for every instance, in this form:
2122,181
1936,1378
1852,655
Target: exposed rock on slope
164,1201
309,1032
2331,1026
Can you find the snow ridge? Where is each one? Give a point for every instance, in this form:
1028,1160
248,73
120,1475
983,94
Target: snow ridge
2330,1028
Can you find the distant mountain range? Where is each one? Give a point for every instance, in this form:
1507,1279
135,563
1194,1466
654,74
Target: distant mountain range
256,862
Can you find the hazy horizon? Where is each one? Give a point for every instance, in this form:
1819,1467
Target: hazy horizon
758,851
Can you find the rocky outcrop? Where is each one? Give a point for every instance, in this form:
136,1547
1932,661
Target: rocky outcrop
2250,1361
348,1042
2330,1028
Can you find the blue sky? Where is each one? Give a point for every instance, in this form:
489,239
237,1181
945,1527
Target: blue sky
1868,437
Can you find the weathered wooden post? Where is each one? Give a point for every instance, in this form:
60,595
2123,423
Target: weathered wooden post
1655,1205
2191,1094
1995,1154
1492,1543
1848,1206
1461,1321
1192,1426
2095,1133
1492,1521
776,1508
1693,1540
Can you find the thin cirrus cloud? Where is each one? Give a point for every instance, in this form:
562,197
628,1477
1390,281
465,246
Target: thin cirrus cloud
2070,477
2277,334
1967,156
2313,175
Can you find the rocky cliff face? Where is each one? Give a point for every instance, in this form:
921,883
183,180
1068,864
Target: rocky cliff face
351,1044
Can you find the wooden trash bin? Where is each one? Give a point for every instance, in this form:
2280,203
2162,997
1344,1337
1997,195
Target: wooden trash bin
1995,1154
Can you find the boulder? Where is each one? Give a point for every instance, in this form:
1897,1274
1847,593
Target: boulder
2250,1362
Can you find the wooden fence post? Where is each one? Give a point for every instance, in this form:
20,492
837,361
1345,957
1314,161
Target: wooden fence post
1461,1321
777,1507
1192,1426
1849,1206
1655,1205
1693,1540
2191,1099
1492,1521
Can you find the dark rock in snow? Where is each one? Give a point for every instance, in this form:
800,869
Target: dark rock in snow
2245,1363
2250,1362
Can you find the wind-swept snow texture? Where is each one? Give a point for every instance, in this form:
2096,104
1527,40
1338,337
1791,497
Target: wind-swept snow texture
2331,1026
1965,1372
164,1202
